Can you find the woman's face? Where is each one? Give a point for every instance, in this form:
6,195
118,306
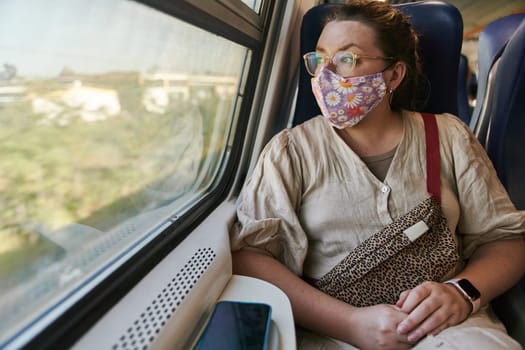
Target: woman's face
355,37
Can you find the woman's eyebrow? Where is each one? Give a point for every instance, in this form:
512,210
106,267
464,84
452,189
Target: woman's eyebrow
342,48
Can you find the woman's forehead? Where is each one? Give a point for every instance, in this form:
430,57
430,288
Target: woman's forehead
345,34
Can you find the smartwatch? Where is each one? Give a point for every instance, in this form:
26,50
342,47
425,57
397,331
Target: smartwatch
468,291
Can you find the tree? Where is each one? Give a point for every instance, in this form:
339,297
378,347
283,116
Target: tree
9,72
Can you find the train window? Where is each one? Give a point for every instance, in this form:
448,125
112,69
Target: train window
113,123
254,4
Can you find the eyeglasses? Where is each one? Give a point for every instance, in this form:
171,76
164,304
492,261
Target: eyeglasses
343,61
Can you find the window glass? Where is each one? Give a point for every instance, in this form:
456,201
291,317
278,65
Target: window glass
254,4
114,119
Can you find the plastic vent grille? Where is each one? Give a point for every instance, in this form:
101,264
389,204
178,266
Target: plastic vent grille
145,328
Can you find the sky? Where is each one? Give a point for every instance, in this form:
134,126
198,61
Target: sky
41,38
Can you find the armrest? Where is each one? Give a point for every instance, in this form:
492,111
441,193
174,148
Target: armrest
242,288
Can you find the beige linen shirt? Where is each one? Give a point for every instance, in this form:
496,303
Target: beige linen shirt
311,199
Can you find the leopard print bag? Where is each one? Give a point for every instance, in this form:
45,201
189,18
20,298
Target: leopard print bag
416,247
395,259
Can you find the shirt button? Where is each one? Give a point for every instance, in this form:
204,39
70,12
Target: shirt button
385,189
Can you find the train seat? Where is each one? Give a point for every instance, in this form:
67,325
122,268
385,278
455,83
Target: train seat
505,146
440,26
464,75
505,142
492,42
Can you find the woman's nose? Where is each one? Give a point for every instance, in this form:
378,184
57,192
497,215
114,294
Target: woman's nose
330,65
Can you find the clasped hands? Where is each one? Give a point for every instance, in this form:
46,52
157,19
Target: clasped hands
424,310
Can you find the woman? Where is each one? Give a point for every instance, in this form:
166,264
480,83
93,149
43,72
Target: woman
322,188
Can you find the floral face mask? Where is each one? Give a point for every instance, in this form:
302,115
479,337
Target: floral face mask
346,101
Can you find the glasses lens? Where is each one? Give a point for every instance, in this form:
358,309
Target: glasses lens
312,61
345,62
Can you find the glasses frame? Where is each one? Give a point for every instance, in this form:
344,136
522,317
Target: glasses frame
330,59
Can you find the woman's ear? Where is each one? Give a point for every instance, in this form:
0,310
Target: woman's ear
398,71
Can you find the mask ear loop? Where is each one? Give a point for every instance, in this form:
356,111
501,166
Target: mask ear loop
394,61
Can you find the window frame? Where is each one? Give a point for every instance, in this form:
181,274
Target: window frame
235,21
231,19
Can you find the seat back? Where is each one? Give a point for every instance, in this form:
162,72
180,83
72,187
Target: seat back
506,132
492,41
440,27
464,75
505,145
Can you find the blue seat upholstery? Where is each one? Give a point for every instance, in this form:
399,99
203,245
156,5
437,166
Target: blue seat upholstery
506,134
505,145
492,42
463,78
440,27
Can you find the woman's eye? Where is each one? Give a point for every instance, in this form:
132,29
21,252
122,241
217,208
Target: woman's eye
348,59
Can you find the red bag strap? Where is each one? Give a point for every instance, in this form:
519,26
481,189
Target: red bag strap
432,152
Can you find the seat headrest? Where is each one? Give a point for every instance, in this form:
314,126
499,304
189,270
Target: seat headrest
492,42
440,27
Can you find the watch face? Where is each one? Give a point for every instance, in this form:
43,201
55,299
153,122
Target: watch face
469,289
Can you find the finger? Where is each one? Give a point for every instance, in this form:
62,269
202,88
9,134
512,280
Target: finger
402,298
404,343
433,324
417,317
414,297
403,339
440,329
